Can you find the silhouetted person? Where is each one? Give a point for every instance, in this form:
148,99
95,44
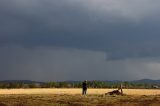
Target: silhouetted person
84,87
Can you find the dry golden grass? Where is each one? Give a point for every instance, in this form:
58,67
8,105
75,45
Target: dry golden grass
77,100
78,91
73,97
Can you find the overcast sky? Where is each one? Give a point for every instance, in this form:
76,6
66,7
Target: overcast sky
57,40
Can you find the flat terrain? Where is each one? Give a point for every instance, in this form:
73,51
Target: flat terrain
78,91
73,97
78,100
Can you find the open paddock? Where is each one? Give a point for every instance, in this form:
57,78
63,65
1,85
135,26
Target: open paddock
73,91
73,97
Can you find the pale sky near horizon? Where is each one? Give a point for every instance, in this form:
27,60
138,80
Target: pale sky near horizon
55,40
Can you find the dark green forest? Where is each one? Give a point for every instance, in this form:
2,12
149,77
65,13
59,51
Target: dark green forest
145,84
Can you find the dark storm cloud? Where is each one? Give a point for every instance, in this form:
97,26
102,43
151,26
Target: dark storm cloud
124,29
52,64
79,39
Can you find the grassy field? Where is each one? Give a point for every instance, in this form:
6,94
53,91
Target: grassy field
78,91
73,97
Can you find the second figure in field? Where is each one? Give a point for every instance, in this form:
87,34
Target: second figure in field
84,87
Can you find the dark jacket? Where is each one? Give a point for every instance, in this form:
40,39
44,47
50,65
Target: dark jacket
84,85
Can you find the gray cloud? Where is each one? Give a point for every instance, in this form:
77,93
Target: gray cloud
116,27
112,30
46,64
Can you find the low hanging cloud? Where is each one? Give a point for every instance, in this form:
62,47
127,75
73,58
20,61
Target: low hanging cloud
113,26
118,33
54,64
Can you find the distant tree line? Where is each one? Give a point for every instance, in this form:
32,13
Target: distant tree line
78,84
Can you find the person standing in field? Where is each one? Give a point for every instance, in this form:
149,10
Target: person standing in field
84,87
